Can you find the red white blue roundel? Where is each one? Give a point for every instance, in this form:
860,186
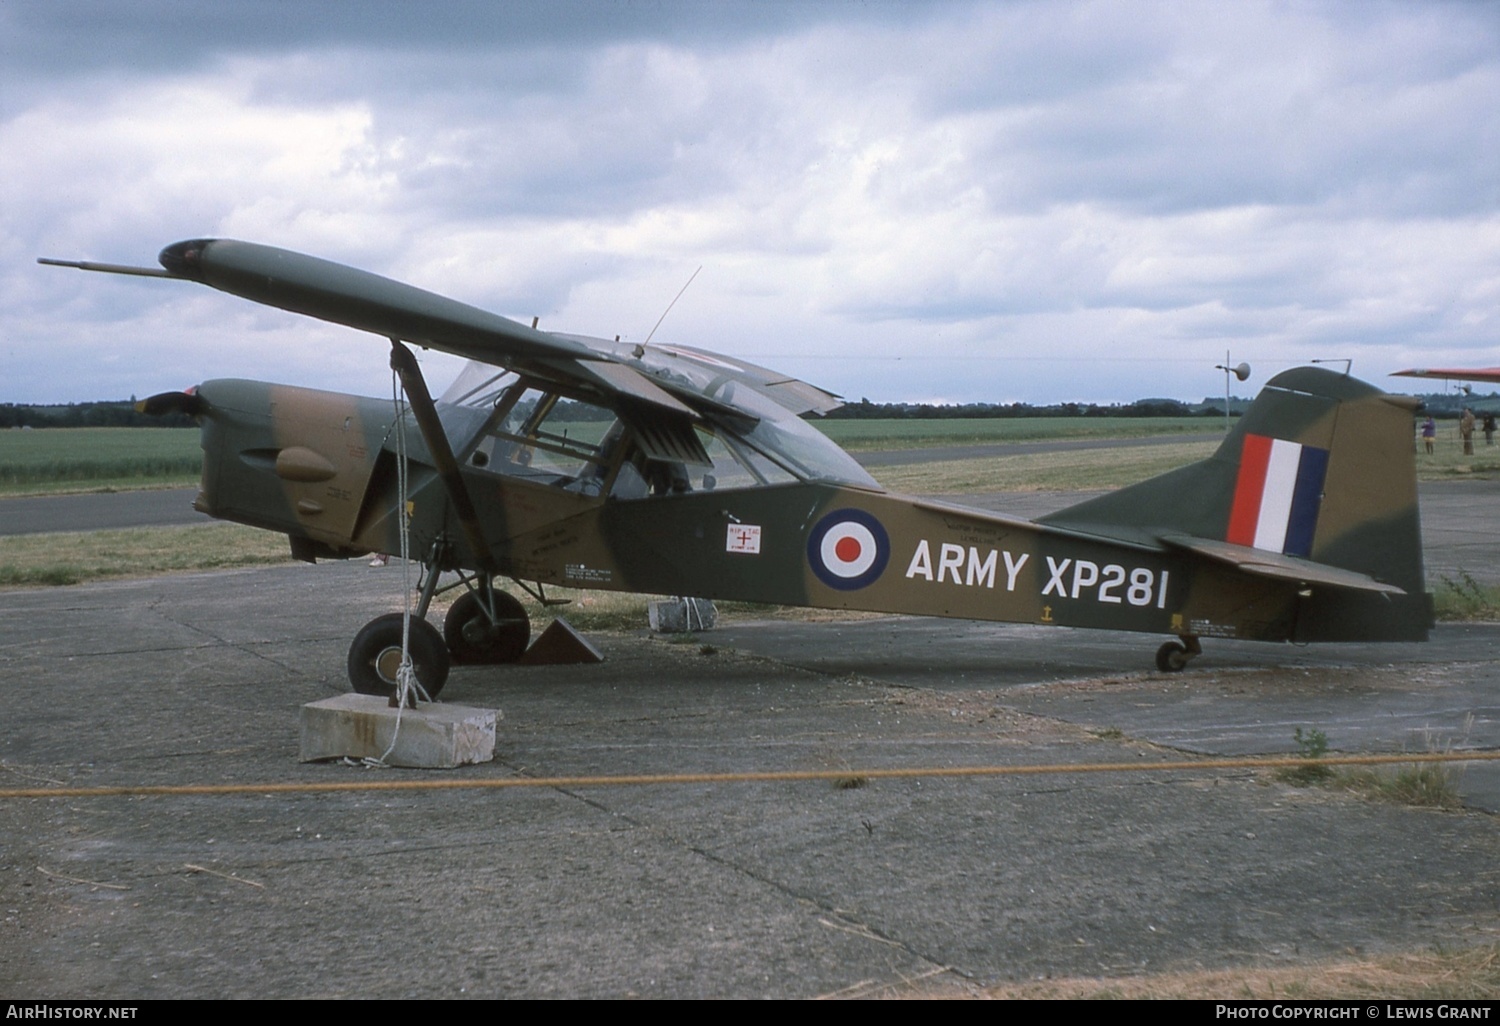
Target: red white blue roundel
848,549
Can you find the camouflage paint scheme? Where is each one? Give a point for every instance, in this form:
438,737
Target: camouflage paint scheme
1303,526
941,560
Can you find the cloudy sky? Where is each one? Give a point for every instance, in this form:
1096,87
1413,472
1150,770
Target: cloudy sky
905,201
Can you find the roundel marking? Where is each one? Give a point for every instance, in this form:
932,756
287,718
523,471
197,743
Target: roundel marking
848,549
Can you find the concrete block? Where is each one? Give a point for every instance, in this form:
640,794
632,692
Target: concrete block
431,736
678,615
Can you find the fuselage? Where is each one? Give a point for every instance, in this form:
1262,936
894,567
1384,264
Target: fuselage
568,494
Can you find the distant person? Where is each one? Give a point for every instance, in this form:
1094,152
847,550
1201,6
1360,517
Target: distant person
1429,433
1489,429
1466,430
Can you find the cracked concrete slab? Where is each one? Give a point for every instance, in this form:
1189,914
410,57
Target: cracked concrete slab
793,889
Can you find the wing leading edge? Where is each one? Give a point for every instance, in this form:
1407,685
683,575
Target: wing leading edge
359,299
674,381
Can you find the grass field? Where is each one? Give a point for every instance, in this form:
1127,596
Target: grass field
41,559
1449,463
1471,974
56,460
864,435
1044,471
53,460
1114,468
97,459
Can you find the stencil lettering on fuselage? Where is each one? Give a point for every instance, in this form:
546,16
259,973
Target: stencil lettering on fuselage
1068,578
964,565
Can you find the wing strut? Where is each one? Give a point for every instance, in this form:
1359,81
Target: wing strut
405,364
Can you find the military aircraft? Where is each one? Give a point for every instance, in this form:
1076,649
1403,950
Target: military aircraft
564,460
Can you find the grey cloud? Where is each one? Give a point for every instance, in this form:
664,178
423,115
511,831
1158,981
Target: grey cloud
874,175
64,36
1376,102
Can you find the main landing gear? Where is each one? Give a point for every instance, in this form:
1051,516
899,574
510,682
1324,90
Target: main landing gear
375,656
1174,655
485,626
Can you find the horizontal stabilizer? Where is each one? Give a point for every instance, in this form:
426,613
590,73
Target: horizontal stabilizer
1279,567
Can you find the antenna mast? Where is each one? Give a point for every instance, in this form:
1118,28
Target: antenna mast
640,350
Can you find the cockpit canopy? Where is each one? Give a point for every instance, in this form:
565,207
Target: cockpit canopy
740,428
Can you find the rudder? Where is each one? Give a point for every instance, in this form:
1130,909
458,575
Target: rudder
1321,468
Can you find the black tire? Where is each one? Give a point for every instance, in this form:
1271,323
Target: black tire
1171,657
472,639
376,654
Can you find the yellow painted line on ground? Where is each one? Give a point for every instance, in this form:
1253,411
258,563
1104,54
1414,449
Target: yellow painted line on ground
769,776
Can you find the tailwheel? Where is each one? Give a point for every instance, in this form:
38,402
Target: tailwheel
375,656
472,637
1173,656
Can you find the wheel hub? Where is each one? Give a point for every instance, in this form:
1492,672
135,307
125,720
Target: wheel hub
388,664
479,632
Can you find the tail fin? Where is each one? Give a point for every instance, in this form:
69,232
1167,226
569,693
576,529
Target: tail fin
1316,484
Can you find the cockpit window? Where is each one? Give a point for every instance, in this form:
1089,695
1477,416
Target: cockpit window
808,452
731,465
549,439
736,465
478,385
542,436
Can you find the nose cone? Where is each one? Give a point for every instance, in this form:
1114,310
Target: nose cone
187,401
184,259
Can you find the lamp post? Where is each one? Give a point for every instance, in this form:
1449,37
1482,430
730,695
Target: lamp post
1241,371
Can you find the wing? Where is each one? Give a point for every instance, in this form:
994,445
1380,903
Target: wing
673,381
359,299
1452,373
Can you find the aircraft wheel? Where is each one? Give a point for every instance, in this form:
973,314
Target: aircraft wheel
471,638
1171,657
375,656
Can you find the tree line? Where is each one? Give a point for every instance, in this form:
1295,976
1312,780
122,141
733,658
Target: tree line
121,412
110,413
866,410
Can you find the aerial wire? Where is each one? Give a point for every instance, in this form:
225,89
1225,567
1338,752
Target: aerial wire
640,350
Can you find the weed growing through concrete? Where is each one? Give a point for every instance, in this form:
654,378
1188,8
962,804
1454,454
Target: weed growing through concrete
1465,598
1311,744
1430,785
1427,784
